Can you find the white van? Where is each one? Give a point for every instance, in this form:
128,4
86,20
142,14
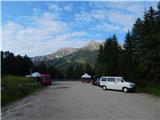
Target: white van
116,83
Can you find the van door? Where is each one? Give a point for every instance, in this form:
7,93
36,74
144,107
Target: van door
111,83
103,81
118,84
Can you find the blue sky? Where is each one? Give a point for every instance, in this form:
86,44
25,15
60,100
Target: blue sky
40,28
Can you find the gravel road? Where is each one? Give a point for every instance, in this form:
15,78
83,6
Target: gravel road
82,101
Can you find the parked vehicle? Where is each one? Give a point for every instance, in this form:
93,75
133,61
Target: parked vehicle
45,79
116,83
97,82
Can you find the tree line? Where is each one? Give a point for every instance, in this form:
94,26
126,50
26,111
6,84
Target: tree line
139,57
15,65
22,65
48,69
77,70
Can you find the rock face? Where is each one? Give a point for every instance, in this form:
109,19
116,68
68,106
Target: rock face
58,54
93,45
62,52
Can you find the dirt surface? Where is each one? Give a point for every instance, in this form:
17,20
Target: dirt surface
82,101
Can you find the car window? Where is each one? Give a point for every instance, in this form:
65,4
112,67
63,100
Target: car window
104,79
120,80
111,79
46,78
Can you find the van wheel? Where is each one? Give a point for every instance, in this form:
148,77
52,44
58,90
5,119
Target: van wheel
125,89
104,88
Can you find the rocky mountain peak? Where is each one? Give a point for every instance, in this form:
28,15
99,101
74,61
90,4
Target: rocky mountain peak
65,49
92,45
62,52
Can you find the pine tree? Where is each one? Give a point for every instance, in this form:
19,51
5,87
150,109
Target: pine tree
129,57
108,58
28,65
100,54
42,68
78,71
70,72
89,69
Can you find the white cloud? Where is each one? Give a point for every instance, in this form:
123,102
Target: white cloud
118,15
135,7
69,36
115,19
121,19
68,7
49,23
55,7
43,36
90,16
83,16
108,27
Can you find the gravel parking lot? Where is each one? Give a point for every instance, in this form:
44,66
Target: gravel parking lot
82,101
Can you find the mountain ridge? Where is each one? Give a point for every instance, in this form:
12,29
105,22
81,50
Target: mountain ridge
63,52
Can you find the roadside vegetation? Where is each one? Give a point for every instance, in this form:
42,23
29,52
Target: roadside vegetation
149,87
14,88
14,84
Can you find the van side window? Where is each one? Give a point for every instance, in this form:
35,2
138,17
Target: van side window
104,79
119,80
111,79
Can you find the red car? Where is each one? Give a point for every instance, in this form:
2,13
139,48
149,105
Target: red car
45,79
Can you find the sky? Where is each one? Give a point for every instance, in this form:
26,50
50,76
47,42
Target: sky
40,28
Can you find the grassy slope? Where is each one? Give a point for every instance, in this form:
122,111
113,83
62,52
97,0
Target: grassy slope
14,87
150,88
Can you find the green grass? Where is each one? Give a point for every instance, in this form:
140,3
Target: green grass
150,88
15,87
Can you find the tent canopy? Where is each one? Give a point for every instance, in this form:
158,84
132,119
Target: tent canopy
36,74
85,76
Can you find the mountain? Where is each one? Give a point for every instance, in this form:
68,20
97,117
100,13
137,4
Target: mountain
66,57
58,54
62,52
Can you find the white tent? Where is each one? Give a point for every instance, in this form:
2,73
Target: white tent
28,75
85,76
35,74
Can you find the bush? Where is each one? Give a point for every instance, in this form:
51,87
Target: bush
149,87
15,87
